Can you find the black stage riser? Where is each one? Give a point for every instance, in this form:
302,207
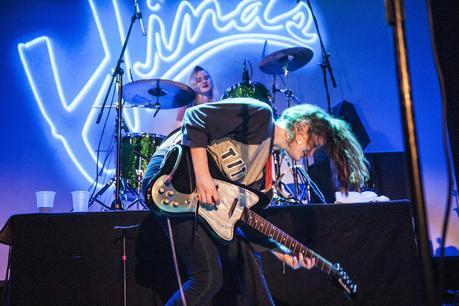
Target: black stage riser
69,259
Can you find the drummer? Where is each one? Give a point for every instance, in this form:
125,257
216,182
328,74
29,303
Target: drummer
202,84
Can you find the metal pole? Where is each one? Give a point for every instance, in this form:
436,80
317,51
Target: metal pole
395,16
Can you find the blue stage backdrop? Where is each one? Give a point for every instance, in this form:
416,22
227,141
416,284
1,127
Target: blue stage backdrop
57,60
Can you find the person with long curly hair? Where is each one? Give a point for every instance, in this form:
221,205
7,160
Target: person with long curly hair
239,136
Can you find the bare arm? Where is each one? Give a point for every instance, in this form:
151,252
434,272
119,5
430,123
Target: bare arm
205,188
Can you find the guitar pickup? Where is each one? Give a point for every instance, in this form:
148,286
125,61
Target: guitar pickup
233,207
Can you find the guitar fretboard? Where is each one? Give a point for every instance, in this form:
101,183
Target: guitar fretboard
269,230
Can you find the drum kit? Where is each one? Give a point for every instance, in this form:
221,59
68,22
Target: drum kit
134,150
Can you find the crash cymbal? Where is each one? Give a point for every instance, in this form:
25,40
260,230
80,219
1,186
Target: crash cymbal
158,93
290,59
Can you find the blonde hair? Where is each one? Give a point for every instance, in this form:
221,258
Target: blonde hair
194,84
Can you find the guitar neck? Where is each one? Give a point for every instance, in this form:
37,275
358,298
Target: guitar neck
271,231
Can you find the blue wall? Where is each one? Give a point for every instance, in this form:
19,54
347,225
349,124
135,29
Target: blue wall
50,138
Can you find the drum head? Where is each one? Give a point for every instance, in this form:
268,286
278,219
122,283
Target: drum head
251,89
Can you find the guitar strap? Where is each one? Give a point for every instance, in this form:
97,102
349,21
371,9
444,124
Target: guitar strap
269,173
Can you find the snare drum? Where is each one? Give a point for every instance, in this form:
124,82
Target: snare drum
136,151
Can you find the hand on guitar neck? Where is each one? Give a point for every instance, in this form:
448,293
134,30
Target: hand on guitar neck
294,262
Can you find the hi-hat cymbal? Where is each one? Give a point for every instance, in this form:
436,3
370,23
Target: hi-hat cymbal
158,93
289,59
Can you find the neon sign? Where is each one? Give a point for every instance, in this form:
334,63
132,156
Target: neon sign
194,33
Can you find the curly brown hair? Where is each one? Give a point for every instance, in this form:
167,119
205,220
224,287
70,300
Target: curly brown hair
343,149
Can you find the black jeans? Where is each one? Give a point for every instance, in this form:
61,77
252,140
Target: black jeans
200,253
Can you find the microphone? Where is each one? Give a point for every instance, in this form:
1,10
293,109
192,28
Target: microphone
245,73
138,14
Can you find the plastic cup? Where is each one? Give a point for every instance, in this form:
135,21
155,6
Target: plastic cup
45,201
80,200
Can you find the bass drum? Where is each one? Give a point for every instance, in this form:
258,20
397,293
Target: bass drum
250,89
136,151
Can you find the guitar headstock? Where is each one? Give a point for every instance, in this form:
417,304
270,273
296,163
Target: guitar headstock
343,280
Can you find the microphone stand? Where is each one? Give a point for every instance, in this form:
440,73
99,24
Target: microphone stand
325,65
118,75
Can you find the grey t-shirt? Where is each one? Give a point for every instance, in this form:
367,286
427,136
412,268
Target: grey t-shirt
237,133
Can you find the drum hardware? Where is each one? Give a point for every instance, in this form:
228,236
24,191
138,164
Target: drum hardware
278,184
298,194
285,60
138,181
281,63
95,197
157,94
302,182
296,184
136,150
310,184
284,194
118,76
287,92
125,189
248,88
304,186
139,172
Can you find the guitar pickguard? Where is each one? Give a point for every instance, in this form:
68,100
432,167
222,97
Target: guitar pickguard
221,218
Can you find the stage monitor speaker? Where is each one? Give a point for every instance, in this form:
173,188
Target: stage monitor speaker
388,174
346,111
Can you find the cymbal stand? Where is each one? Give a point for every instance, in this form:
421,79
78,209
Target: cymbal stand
303,179
294,167
306,169
282,196
287,92
117,205
325,65
311,185
273,98
118,76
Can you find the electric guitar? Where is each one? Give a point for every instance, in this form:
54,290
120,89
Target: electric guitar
172,193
